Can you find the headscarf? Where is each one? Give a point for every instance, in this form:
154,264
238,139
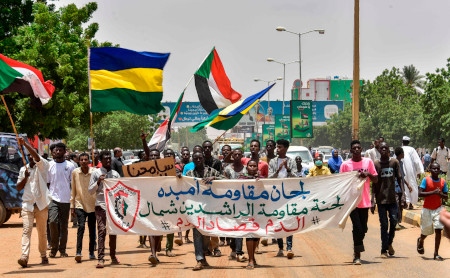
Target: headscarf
334,163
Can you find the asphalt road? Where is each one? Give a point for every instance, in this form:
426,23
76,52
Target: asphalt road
323,253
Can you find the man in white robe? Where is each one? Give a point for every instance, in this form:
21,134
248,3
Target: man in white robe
413,168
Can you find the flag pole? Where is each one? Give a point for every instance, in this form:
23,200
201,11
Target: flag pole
15,130
217,139
90,102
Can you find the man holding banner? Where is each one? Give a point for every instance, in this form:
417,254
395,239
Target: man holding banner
207,174
283,167
360,214
96,185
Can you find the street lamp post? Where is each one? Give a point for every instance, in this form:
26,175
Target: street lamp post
284,73
282,29
268,84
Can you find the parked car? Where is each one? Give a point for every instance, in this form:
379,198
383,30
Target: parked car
303,152
10,164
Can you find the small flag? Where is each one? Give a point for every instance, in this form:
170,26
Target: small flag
163,133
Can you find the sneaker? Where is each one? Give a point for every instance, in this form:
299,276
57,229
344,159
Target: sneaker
178,241
232,256
356,261
280,253
169,253
78,258
100,264
92,256
44,260
198,266
290,254
23,262
264,241
241,258
384,255
391,250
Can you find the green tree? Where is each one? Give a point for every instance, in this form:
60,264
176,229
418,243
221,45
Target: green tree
183,137
435,105
116,129
56,43
411,77
13,14
339,128
389,108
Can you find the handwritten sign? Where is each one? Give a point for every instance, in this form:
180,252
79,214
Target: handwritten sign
152,168
238,208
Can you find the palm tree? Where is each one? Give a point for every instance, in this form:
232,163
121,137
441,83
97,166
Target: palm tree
412,78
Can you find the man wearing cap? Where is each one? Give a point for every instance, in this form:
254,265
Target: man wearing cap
413,169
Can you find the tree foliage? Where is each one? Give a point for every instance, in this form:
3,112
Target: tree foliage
388,108
411,77
13,14
183,137
117,129
435,104
56,43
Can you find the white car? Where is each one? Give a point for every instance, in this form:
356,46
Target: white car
303,152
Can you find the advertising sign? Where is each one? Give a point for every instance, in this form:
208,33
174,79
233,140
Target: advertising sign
301,124
282,127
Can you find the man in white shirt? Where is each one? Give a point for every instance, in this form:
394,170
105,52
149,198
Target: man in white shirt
59,178
441,155
374,153
35,201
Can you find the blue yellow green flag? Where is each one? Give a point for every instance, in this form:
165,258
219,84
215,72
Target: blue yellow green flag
123,79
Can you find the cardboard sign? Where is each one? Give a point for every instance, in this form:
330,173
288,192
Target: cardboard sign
152,168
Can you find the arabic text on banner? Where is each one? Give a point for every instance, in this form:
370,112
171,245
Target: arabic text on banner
235,208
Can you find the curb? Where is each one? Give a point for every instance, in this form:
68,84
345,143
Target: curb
411,217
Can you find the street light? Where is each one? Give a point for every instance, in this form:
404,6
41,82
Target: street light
282,29
268,84
284,72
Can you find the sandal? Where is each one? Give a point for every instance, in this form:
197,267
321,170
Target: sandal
187,240
420,249
438,258
250,266
169,253
115,260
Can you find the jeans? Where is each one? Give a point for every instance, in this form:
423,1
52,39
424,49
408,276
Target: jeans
201,244
387,237
81,217
359,217
288,243
100,214
58,216
41,227
236,245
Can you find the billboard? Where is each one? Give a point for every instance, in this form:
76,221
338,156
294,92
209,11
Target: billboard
264,113
302,119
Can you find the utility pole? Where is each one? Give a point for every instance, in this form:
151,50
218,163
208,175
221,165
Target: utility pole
355,95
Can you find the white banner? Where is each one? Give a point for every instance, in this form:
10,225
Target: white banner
236,208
